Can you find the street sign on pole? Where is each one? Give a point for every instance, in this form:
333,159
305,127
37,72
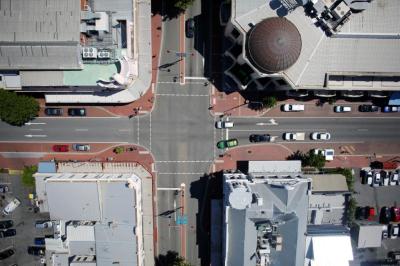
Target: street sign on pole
181,219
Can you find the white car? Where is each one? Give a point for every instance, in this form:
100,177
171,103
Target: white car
293,107
394,178
370,179
342,109
224,124
327,153
320,136
11,206
377,180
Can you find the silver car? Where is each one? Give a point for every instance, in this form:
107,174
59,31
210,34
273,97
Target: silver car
81,147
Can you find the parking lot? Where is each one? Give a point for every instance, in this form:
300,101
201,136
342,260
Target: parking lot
24,222
376,197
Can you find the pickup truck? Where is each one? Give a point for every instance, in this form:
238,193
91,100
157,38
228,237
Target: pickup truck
294,136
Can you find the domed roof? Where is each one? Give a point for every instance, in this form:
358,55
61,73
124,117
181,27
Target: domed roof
274,44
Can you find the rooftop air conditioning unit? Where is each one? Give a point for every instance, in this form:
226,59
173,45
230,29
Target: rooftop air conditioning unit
89,52
104,54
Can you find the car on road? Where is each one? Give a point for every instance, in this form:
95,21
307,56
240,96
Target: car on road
6,253
342,109
227,143
294,136
39,241
43,224
11,206
292,107
391,109
5,224
60,148
395,213
81,147
393,230
368,108
260,138
327,153
8,233
37,251
385,215
377,179
224,124
76,111
54,111
394,178
320,136
4,188
189,28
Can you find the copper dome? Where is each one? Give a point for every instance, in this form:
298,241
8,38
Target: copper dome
274,44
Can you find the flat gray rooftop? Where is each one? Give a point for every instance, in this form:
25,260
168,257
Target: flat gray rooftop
40,34
368,44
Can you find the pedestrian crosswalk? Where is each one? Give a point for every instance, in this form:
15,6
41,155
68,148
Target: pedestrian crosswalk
347,149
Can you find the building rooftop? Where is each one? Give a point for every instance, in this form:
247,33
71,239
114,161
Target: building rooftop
366,46
40,34
328,183
279,204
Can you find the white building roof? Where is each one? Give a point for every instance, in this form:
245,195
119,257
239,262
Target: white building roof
330,250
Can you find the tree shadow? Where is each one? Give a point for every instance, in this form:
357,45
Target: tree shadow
172,258
165,8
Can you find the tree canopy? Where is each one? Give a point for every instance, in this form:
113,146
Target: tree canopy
27,175
183,4
16,109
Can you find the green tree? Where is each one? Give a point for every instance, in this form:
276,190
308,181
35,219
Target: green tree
314,160
17,109
183,4
27,175
269,101
351,211
349,177
119,150
172,258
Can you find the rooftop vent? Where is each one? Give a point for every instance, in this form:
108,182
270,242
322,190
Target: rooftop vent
89,52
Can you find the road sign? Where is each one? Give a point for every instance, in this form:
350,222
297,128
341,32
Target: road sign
181,54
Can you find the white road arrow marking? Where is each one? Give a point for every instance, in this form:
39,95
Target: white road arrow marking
272,122
35,136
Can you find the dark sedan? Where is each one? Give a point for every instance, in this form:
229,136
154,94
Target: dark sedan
6,253
53,111
37,251
190,28
6,224
260,138
368,108
8,233
385,215
76,111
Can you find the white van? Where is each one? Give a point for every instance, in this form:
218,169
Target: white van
293,107
11,206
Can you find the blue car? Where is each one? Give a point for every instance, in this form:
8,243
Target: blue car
391,109
39,241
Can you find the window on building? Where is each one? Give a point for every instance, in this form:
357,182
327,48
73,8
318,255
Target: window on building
235,33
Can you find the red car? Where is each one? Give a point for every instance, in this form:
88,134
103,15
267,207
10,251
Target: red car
60,148
395,214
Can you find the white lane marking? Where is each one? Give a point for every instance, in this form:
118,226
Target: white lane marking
31,123
81,129
227,134
150,132
362,129
183,161
169,188
138,129
36,129
123,130
35,136
196,78
194,95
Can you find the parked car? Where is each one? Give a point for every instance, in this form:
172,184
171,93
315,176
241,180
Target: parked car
37,251
4,189
11,206
371,213
81,147
342,109
39,241
384,216
395,213
393,230
6,253
8,233
5,224
292,107
54,111
76,111
60,148
385,178
377,179
224,124
260,138
368,108
189,28
327,153
370,179
320,136
394,178
384,231
227,143
361,213
43,224
394,255
364,174
390,109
